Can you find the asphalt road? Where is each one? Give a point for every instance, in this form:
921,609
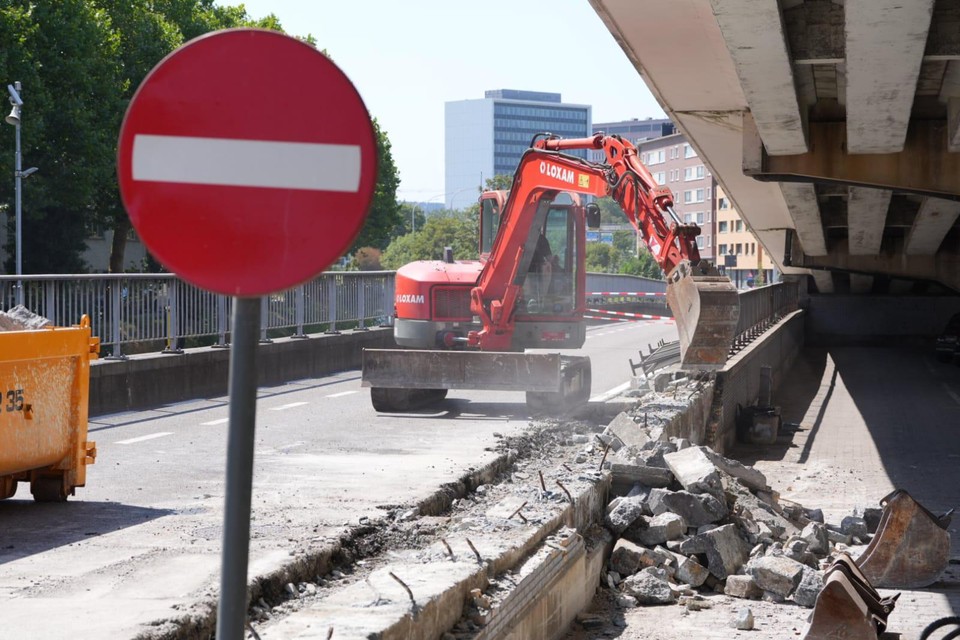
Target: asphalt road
141,542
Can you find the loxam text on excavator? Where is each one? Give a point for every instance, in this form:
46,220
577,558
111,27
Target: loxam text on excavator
464,324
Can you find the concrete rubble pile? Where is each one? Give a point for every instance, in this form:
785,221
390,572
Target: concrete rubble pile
19,318
688,520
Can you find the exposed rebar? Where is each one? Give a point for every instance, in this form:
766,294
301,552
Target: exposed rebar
475,552
404,585
517,513
543,485
560,484
447,545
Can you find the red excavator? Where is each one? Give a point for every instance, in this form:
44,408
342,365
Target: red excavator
464,324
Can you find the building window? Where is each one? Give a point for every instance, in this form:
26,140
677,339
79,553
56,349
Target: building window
688,151
723,203
699,217
699,242
739,226
709,241
688,218
693,173
722,226
722,249
660,177
709,216
739,249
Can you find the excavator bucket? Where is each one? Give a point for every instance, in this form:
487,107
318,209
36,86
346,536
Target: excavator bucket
706,308
841,612
911,547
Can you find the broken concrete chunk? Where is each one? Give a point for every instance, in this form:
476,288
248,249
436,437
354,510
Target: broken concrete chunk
646,475
726,551
19,318
623,513
854,526
690,571
628,558
694,470
870,515
628,431
649,589
744,619
742,587
696,510
816,537
749,476
778,575
809,588
656,530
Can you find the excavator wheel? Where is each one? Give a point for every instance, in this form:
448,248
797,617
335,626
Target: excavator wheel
388,400
576,381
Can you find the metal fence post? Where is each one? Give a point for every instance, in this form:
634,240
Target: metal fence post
299,304
332,305
222,320
115,329
173,326
264,319
361,306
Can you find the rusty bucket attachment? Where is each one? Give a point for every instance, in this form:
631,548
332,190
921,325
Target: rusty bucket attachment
911,547
706,308
842,611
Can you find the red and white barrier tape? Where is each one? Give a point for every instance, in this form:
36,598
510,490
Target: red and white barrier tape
626,314
633,294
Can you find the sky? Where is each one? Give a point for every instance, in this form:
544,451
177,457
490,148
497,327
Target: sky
408,57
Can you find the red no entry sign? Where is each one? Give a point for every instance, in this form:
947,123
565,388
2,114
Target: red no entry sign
247,162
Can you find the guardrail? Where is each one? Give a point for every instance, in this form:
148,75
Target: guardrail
134,313
143,312
761,308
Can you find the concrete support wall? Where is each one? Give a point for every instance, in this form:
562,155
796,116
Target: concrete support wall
739,382
156,379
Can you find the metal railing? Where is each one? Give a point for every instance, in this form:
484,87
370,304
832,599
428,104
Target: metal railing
135,312
761,308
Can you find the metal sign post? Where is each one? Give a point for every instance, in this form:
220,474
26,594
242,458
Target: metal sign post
245,205
231,611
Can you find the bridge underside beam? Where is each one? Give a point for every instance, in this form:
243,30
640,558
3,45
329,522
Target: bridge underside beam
925,166
931,225
943,267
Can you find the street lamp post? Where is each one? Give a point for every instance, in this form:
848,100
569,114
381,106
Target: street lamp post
18,174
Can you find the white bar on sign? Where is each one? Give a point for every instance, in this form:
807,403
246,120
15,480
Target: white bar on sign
246,163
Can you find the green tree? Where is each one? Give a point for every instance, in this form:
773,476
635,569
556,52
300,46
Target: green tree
442,229
385,214
65,55
499,182
602,258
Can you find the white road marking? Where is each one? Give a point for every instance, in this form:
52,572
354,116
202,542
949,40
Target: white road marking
284,407
603,397
342,393
145,438
246,163
955,397
213,422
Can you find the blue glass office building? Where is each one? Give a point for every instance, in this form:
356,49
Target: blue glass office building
486,137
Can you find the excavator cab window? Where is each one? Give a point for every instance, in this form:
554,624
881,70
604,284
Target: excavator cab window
549,287
489,223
